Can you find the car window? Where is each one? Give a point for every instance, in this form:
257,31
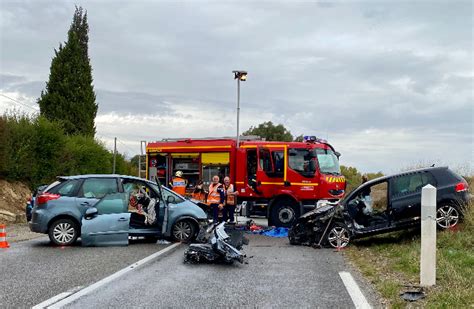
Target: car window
113,204
302,161
66,188
53,185
132,185
98,187
167,193
411,183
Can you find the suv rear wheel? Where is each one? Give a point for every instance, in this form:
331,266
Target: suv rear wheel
63,232
447,216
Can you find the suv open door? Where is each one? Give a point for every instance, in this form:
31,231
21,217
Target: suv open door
107,223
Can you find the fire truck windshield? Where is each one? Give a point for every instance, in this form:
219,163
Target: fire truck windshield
328,162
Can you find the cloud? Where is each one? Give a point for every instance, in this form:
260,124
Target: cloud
394,79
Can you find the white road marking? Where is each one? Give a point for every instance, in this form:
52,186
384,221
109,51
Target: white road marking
52,300
354,291
60,300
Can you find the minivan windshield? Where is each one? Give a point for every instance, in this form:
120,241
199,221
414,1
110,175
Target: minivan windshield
328,162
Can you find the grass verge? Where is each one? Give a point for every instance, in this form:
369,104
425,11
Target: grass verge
392,263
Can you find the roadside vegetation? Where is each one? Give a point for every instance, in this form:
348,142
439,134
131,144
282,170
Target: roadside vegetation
392,263
35,150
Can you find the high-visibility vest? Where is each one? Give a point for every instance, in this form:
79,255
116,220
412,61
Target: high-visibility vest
214,197
200,196
229,197
179,185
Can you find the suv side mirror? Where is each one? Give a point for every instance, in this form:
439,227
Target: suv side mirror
171,199
91,213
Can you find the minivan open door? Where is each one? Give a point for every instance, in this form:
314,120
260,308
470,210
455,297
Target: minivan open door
164,225
107,223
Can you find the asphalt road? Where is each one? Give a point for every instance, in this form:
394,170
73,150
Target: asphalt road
33,271
277,275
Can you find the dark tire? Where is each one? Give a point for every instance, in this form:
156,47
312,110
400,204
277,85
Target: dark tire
447,216
183,231
284,213
296,235
63,232
337,236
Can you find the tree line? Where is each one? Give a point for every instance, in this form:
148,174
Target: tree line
35,150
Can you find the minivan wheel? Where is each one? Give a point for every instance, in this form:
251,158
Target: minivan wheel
338,236
183,231
63,232
447,216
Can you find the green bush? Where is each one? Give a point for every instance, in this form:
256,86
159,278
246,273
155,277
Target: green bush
85,155
36,150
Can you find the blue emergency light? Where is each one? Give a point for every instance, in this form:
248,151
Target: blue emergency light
312,139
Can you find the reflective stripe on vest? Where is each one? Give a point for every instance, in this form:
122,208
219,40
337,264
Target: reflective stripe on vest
179,182
214,196
179,185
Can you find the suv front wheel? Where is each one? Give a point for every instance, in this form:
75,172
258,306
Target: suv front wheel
63,232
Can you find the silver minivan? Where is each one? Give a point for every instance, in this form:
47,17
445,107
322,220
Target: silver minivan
96,209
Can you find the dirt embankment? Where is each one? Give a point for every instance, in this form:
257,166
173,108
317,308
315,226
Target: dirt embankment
13,198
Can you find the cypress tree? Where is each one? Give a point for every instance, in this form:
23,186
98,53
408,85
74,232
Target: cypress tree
69,95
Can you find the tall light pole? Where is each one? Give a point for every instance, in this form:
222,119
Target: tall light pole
239,76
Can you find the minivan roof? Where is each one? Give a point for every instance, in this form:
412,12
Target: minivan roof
101,176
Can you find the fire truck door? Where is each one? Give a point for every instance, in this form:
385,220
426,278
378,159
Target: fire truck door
252,164
271,169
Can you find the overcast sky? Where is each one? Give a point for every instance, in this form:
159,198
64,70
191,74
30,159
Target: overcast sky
390,84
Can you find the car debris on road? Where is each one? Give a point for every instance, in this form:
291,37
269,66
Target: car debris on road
220,247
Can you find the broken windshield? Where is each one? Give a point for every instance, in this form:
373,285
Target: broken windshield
328,162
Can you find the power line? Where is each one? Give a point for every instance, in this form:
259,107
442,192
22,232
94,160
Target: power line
23,104
133,151
112,138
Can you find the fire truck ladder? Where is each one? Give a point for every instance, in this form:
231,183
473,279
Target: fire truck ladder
241,138
142,160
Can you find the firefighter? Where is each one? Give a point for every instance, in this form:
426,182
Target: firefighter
199,193
178,183
230,200
215,197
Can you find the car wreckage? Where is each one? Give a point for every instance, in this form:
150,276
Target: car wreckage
382,205
219,246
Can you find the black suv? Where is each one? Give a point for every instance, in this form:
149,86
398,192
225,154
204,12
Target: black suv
383,205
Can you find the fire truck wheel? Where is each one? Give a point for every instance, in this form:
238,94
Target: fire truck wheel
284,213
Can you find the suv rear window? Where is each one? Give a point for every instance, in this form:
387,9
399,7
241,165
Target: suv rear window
65,188
411,183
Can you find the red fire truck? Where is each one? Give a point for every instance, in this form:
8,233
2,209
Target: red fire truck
281,179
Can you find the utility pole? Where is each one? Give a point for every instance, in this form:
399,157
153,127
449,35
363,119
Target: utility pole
238,111
239,76
115,153
140,161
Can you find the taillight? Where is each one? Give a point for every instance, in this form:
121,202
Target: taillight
462,186
43,198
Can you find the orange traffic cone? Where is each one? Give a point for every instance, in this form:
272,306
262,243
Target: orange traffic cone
3,236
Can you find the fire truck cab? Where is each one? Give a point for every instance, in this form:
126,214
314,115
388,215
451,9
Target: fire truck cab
281,180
